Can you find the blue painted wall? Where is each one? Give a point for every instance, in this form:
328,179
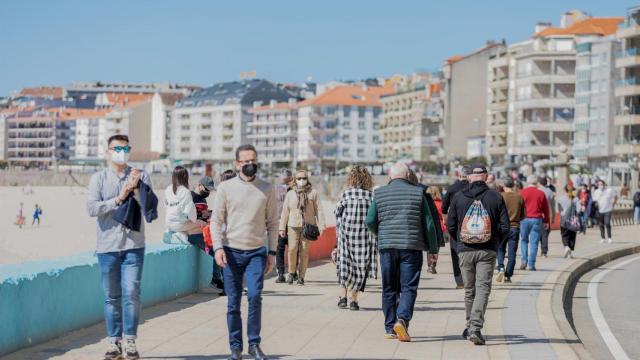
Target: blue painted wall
46,299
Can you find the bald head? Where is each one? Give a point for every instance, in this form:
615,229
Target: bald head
398,171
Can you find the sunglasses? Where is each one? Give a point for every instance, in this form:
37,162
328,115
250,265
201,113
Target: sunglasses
118,149
301,178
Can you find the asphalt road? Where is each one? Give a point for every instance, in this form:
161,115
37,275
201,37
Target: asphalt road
606,309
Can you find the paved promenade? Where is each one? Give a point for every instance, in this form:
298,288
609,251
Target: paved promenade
303,322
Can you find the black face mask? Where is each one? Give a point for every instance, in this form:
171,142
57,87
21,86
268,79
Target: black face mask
250,170
205,193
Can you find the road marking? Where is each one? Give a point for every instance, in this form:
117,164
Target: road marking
598,318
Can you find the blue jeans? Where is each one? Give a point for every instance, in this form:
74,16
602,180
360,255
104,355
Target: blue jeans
530,230
636,215
509,247
400,280
121,274
250,265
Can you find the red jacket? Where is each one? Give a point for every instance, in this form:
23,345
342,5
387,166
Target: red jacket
536,203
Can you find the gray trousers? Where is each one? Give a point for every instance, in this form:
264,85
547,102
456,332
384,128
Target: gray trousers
477,273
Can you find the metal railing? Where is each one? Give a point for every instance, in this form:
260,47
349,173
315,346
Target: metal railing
628,52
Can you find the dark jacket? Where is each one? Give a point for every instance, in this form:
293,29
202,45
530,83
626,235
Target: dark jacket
129,213
452,190
434,212
399,214
495,206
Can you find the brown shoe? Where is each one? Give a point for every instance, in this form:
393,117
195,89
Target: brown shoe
401,328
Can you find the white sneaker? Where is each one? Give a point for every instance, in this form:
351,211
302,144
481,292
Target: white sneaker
500,277
570,254
602,241
609,240
567,251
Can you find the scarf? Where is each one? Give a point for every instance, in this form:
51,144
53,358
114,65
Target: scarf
303,193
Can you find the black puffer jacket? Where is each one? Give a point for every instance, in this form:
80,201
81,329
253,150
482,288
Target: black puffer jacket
495,206
452,190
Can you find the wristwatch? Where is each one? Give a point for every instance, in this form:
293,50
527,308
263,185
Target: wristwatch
271,252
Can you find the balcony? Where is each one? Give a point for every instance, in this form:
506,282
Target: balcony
629,28
546,78
541,150
628,58
555,126
544,102
626,149
497,150
502,82
628,87
628,119
496,128
499,105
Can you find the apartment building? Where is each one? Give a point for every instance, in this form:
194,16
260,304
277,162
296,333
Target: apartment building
211,123
465,101
273,131
412,125
31,138
341,126
627,89
499,73
596,105
531,95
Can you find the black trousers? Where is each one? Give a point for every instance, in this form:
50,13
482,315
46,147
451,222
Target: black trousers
568,238
280,254
604,220
455,262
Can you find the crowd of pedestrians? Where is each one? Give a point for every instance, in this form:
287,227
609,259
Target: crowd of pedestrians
253,226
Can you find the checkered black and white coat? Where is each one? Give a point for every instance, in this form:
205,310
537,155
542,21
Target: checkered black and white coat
357,247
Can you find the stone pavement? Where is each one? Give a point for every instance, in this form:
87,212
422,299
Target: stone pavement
303,322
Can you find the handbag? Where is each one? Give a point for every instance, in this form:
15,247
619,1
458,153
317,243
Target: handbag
572,221
309,231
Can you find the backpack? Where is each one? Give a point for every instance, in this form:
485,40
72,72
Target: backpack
476,225
572,221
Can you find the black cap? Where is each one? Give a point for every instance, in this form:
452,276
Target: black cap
476,168
207,182
466,169
508,182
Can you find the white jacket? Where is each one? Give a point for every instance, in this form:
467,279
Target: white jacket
181,211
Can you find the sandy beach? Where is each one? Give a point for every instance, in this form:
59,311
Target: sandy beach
65,228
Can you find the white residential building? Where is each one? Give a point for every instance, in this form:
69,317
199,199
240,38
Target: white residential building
273,131
340,127
211,123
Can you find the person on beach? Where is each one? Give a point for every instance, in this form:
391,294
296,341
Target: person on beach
401,218
452,190
244,230
301,206
36,215
356,252
120,250
479,220
20,219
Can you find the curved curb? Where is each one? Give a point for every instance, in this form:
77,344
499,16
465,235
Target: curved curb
566,281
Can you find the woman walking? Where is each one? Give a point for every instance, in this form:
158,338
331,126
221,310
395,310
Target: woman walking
434,192
567,205
356,253
300,207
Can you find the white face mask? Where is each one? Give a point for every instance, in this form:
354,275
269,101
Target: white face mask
119,158
301,183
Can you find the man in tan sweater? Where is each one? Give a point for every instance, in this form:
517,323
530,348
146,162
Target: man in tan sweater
245,213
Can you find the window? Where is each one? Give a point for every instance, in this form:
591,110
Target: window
206,115
205,149
346,124
346,139
185,138
346,111
184,150
376,139
361,153
205,138
184,116
376,112
362,125
185,127
361,111
227,114
346,153
205,126
361,139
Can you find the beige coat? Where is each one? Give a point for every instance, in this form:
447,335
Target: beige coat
292,216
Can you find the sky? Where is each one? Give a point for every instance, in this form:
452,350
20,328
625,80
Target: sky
203,42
